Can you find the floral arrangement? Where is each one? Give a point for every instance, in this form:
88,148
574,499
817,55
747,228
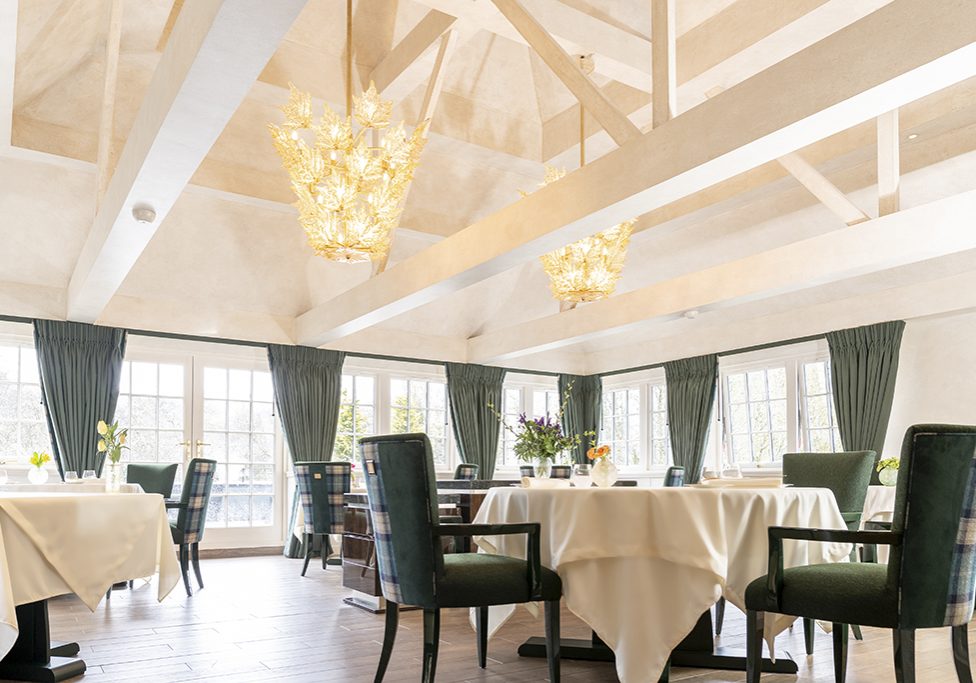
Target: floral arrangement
598,452
888,463
543,437
112,440
38,460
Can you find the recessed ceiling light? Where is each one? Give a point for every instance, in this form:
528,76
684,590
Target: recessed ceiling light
144,214
913,136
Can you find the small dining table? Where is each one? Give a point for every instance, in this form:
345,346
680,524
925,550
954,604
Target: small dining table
642,566
59,539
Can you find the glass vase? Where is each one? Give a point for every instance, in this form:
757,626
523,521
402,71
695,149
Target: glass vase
888,476
542,466
37,475
113,478
604,473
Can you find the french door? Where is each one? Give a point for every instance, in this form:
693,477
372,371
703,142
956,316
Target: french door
180,406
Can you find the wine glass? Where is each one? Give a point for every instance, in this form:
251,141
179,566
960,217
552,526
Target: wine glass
3,476
70,477
88,474
581,475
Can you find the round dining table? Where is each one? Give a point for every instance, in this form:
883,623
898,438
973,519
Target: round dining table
642,566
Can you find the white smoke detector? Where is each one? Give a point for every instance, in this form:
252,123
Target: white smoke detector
144,214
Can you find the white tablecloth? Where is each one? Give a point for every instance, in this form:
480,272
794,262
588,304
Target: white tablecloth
640,565
879,506
58,543
83,486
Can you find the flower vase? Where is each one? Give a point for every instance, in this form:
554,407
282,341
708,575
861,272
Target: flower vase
888,476
113,480
604,473
542,467
37,475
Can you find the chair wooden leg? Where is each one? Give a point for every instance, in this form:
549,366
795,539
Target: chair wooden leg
195,559
809,631
185,567
432,635
903,645
326,550
840,652
552,639
481,629
389,636
856,630
960,653
719,616
755,622
308,551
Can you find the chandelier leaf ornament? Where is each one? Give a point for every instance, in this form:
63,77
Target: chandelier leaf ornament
586,270
350,174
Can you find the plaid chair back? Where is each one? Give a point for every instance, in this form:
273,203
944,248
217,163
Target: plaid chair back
560,472
675,476
321,489
467,471
195,499
526,471
934,570
402,492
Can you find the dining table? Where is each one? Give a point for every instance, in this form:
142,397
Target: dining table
59,539
642,566
879,511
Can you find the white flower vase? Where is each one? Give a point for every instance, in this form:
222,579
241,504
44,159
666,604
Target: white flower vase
604,473
37,475
888,476
542,468
113,480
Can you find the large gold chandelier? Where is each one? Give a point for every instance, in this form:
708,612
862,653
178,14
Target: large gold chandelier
587,270
350,183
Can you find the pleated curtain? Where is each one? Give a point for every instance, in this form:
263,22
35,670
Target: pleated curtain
470,389
584,408
863,368
691,396
307,389
80,366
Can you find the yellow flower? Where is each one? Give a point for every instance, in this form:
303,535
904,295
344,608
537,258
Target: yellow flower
122,438
102,447
102,427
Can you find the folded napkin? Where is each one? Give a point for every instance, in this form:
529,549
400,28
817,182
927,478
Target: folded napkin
746,483
533,483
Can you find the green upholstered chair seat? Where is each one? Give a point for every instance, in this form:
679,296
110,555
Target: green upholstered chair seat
848,593
475,580
177,533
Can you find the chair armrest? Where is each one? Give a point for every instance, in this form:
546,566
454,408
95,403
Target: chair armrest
774,575
533,552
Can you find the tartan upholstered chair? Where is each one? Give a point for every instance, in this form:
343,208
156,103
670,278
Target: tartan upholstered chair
561,472
153,477
321,488
675,476
929,581
467,471
188,528
526,471
400,485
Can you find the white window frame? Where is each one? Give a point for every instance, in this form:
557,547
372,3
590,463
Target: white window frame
526,385
20,335
642,380
375,405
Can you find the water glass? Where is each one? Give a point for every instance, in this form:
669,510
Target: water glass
88,474
70,476
581,476
3,476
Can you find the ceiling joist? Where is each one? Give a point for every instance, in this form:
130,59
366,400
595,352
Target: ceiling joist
106,124
823,189
404,68
826,88
8,58
664,78
213,57
889,163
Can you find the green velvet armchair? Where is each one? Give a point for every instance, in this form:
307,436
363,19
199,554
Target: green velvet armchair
153,477
401,488
929,581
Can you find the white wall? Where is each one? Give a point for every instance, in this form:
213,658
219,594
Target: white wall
936,375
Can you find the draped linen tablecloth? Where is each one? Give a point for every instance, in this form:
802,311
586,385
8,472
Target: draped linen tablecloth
58,543
879,506
641,565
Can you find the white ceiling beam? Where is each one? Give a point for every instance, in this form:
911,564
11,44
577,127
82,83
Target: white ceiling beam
106,124
924,232
915,49
889,163
216,51
402,69
174,12
8,59
664,73
567,70
823,189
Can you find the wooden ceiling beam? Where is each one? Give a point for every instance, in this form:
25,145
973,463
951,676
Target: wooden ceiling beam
889,163
823,189
8,69
403,68
915,49
664,78
213,57
106,126
174,12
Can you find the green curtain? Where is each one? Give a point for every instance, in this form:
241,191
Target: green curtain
470,388
80,367
863,367
307,389
583,409
691,395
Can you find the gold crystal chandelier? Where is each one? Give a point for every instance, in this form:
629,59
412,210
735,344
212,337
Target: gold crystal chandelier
587,270
350,183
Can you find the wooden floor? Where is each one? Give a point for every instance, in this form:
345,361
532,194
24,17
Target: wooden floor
258,620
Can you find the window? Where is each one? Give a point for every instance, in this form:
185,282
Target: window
239,426
357,413
756,424
23,424
818,419
621,428
659,433
420,405
532,400
152,405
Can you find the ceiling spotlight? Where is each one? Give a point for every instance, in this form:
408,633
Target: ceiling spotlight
913,136
144,214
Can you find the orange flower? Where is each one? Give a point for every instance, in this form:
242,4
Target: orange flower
591,454
603,451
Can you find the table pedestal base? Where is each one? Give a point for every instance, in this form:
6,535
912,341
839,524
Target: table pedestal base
697,650
32,658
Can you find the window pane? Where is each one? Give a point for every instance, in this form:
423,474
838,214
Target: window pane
142,446
737,388
217,450
170,380
171,413
759,416
28,366
215,415
239,384
8,402
364,421
777,411
399,422
398,392
364,389
262,448
261,418
777,382
658,398
757,385
9,363
238,447
214,383
143,412
144,378
238,416
346,389
818,412
418,394
740,418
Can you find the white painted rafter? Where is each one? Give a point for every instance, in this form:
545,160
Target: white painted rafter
889,163
823,189
8,59
106,124
404,67
664,73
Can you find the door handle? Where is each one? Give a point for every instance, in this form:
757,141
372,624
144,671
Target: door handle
200,444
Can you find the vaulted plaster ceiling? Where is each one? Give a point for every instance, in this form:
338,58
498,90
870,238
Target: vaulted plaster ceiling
230,260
